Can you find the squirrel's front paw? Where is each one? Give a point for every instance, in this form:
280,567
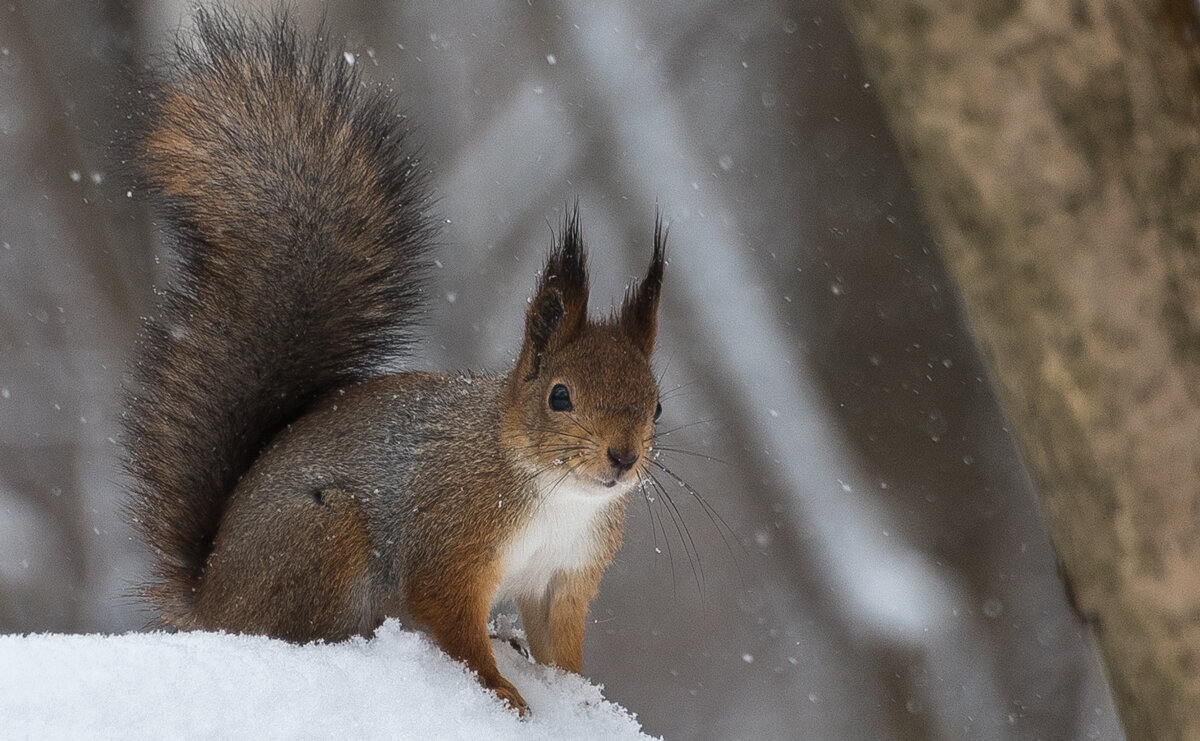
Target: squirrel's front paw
509,694
520,645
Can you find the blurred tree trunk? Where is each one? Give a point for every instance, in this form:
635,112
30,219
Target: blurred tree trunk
1056,149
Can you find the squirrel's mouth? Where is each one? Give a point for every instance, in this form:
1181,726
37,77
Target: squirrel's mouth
605,482
610,480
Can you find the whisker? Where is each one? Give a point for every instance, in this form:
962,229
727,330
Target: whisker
663,374
567,472
666,540
575,421
549,446
681,451
561,451
649,511
549,491
685,535
684,427
713,515
549,431
571,455
676,390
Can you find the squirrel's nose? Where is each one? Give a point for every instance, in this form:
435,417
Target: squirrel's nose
622,460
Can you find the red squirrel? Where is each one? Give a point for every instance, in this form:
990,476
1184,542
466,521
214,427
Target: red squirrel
291,477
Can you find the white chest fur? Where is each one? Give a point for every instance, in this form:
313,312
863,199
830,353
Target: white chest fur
561,536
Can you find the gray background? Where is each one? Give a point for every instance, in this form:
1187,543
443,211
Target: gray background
886,574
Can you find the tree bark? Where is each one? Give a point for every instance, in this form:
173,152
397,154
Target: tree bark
1055,147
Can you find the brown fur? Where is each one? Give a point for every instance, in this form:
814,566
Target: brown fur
292,482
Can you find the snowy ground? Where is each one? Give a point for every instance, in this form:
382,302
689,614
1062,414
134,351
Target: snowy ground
210,686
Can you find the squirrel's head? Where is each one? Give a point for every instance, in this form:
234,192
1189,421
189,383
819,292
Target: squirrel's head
584,401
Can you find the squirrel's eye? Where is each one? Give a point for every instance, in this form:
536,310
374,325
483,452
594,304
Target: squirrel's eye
657,412
560,398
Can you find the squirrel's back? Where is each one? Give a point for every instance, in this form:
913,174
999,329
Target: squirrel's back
295,208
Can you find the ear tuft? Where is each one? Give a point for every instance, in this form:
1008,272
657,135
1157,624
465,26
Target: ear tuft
558,312
566,270
639,314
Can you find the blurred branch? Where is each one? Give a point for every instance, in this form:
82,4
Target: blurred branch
1054,146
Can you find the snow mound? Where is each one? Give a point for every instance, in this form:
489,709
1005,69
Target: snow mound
216,686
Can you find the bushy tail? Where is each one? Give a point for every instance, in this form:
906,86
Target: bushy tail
296,213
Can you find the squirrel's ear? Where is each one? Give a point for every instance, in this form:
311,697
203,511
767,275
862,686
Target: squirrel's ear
639,313
543,319
558,312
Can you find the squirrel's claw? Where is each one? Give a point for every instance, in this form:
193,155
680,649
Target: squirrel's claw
519,645
509,694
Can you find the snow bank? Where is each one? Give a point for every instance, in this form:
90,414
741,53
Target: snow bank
397,685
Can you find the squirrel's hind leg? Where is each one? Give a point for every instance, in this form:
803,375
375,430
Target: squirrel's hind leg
294,567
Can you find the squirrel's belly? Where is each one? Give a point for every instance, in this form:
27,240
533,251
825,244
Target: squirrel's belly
562,535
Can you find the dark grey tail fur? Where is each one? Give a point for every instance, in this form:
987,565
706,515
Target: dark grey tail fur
295,209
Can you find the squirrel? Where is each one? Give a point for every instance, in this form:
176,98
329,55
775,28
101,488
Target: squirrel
291,475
